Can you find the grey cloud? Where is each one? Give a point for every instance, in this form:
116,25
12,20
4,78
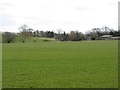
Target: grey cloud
5,5
6,20
69,23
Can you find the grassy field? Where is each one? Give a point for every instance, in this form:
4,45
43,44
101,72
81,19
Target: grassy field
87,64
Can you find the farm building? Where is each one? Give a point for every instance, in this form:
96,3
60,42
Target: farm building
104,37
115,38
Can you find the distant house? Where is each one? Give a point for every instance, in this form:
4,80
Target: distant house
106,37
115,38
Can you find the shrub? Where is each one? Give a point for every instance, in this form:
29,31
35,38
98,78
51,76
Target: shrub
8,37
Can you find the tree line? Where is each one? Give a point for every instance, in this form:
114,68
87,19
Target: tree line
26,33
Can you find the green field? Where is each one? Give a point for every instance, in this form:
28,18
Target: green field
85,64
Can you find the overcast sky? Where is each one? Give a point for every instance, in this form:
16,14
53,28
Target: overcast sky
68,15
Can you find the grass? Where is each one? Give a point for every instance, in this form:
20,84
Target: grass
34,40
92,64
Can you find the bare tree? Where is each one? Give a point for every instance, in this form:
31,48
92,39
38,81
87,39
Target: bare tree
25,32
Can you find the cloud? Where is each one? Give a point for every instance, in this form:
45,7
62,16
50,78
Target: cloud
84,9
52,14
6,20
5,5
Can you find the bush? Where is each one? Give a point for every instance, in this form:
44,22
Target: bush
34,41
45,40
8,37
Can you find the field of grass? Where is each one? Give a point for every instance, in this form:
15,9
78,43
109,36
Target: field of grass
34,40
86,64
